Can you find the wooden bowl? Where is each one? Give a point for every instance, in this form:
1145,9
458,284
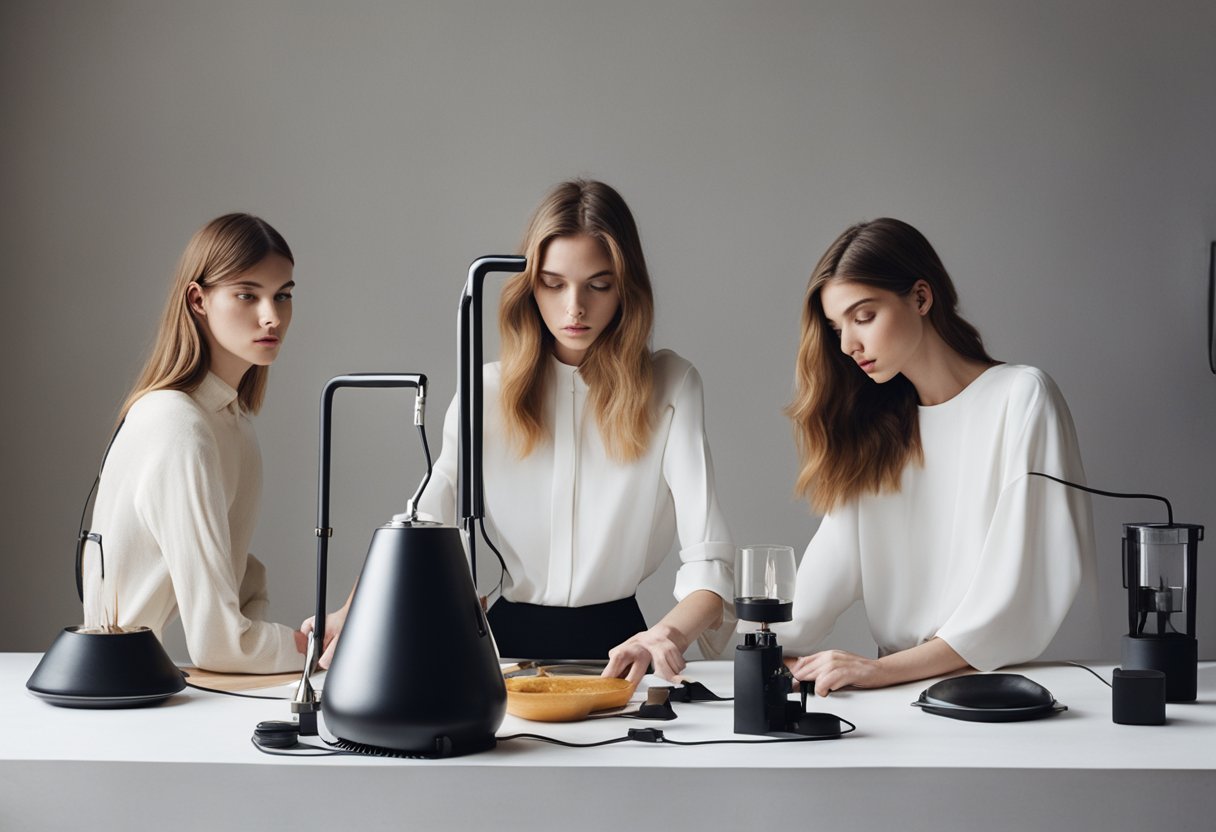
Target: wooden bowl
564,698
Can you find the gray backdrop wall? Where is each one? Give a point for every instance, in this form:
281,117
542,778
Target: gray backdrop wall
1058,154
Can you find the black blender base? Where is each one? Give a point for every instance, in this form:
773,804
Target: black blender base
1177,657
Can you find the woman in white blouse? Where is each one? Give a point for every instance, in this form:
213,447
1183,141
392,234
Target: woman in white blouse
916,447
595,455
178,497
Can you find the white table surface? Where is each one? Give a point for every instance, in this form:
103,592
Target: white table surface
190,758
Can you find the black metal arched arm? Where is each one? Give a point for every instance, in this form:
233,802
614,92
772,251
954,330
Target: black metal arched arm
469,359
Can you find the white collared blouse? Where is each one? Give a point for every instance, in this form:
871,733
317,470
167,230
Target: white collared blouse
576,527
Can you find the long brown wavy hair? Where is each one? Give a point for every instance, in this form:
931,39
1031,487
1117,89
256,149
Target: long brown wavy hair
219,252
855,436
618,367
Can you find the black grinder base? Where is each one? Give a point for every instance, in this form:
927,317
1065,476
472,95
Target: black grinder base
762,685
1176,656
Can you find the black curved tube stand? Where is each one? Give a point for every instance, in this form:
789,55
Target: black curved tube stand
323,530
469,359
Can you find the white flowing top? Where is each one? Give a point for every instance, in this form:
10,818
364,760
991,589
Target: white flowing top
176,508
574,526
970,549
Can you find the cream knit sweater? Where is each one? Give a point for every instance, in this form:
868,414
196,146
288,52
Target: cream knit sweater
176,509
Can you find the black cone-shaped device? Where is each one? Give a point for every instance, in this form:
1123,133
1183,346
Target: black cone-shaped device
415,671
103,667
85,669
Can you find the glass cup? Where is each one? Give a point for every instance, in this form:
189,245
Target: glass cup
764,583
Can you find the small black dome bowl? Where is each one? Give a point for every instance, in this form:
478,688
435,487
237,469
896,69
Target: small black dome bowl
989,697
105,670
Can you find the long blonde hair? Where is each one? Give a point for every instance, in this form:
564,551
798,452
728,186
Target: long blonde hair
618,367
855,436
219,252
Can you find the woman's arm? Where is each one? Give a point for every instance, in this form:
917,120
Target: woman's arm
334,622
707,550
664,643
1038,550
182,502
831,670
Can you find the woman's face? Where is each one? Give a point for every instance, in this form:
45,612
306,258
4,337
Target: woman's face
577,294
880,330
246,319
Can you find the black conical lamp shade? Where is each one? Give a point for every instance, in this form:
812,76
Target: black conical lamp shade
105,670
416,670
107,667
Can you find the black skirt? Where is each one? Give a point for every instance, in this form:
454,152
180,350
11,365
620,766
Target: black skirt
530,631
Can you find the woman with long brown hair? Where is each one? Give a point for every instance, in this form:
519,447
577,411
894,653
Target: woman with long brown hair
595,455
916,447
179,489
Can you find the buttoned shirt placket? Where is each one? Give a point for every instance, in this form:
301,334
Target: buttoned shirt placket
565,474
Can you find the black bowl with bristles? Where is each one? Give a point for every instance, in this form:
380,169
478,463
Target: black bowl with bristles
105,668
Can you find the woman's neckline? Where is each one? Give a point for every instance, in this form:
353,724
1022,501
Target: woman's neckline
961,395
567,375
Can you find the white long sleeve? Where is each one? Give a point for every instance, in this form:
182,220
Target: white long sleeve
576,527
176,509
828,582
970,549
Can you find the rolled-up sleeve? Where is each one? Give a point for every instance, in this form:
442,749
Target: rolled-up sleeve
707,551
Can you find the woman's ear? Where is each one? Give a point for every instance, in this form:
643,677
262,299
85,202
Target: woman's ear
922,292
194,300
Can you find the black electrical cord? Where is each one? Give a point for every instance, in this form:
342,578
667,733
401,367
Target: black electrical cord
665,741
502,565
648,735
1091,670
1168,507
656,735
426,450
319,752
564,743
1212,307
83,534
240,695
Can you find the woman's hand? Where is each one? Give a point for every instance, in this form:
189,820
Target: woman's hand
661,645
835,669
333,628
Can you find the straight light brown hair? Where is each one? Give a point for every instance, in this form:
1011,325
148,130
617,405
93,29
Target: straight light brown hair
855,436
219,252
618,367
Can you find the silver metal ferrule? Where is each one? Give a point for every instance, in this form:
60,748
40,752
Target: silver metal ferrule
420,407
305,698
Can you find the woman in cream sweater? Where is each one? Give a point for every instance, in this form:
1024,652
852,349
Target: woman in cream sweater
179,490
